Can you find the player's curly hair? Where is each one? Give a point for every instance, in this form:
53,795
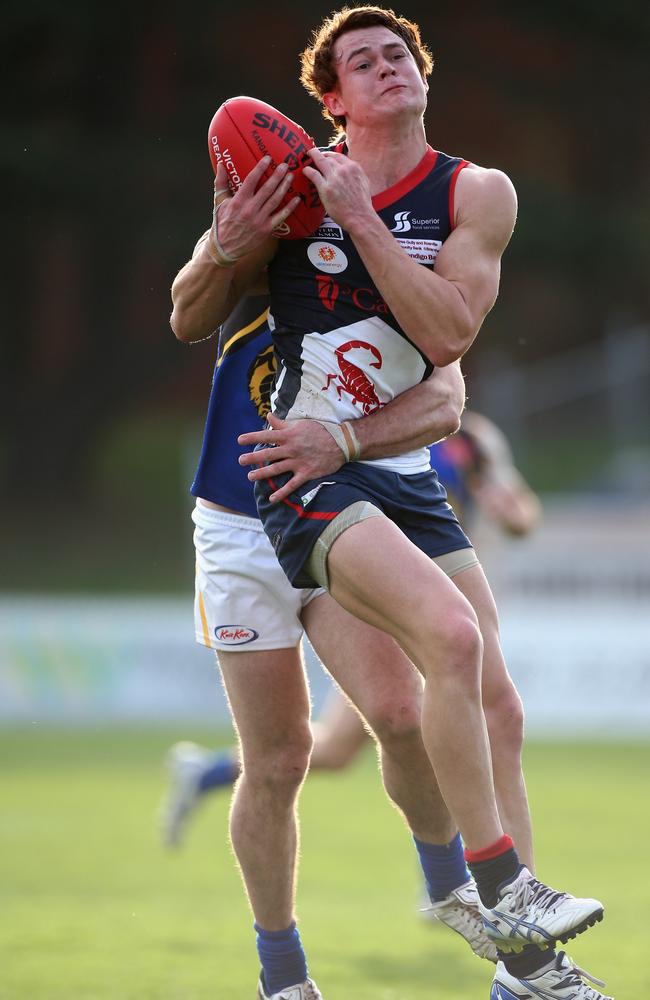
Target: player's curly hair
318,70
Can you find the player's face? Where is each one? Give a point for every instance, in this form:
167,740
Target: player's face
377,78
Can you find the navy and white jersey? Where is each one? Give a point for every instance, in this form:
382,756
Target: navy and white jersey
341,352
239,401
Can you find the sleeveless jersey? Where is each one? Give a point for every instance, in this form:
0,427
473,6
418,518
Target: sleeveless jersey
341,352
239,401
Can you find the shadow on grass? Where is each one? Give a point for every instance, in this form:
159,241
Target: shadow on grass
443,970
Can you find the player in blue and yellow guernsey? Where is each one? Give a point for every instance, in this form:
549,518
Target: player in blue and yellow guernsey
356,322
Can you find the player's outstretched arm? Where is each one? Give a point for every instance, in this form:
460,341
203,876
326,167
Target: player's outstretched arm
417,417
232,253
499,489
442,310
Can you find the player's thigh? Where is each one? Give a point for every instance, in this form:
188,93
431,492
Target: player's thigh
366,662
380,576
269,699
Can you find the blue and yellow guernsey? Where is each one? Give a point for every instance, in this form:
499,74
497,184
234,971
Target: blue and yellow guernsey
341,352
239,401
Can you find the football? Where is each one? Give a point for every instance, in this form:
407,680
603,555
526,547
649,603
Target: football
242,131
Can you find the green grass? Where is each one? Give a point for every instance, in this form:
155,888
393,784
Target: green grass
93,909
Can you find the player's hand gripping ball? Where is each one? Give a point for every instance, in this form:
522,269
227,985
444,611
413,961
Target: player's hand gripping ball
243,131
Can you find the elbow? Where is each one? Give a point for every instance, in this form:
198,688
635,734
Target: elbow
451,340
178,328
450,419
184,329
443,355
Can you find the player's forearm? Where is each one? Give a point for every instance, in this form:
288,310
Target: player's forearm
201,297
430,309
421,415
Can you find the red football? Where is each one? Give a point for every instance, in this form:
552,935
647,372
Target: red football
243,131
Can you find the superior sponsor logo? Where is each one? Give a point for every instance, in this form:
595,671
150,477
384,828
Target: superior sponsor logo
424,251
405,222
235,635
327,257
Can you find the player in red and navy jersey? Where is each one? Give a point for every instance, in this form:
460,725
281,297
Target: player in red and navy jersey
379,535
475,465
247,611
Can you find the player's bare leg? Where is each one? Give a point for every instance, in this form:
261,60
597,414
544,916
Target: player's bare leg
270,704
339,733
504,716
437,628
384,685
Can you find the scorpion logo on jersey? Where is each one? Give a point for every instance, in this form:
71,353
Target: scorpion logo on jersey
261,376
352,379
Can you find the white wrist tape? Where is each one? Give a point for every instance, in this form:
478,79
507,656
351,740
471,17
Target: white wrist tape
345,438
215,251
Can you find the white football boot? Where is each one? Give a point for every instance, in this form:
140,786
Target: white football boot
302,991
186,763
460,911
563,981
529,912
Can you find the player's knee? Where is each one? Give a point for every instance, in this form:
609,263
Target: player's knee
397,722
458,647
505,721
281,769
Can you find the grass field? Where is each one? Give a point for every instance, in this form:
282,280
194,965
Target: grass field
92,908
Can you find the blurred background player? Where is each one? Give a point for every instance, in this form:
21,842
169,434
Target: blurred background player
476,467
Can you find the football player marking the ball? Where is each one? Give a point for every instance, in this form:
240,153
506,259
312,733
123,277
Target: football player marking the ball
239,580
476,466
376,536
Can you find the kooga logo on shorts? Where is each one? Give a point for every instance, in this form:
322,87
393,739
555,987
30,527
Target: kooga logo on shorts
235,635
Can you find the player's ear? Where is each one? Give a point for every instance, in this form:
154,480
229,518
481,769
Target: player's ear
334,104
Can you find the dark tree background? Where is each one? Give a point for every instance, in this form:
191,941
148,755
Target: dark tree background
107,184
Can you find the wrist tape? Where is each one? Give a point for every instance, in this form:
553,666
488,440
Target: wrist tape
345,437
215,251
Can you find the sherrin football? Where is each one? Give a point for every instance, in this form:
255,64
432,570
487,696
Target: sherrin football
244,130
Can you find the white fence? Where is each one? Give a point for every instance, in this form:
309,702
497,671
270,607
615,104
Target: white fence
575,613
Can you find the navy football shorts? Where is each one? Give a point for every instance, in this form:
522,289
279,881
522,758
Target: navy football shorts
417,504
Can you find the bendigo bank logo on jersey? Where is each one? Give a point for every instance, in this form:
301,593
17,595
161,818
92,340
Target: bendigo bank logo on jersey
367,300
261,376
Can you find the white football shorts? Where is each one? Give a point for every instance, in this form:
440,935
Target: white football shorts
243,601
